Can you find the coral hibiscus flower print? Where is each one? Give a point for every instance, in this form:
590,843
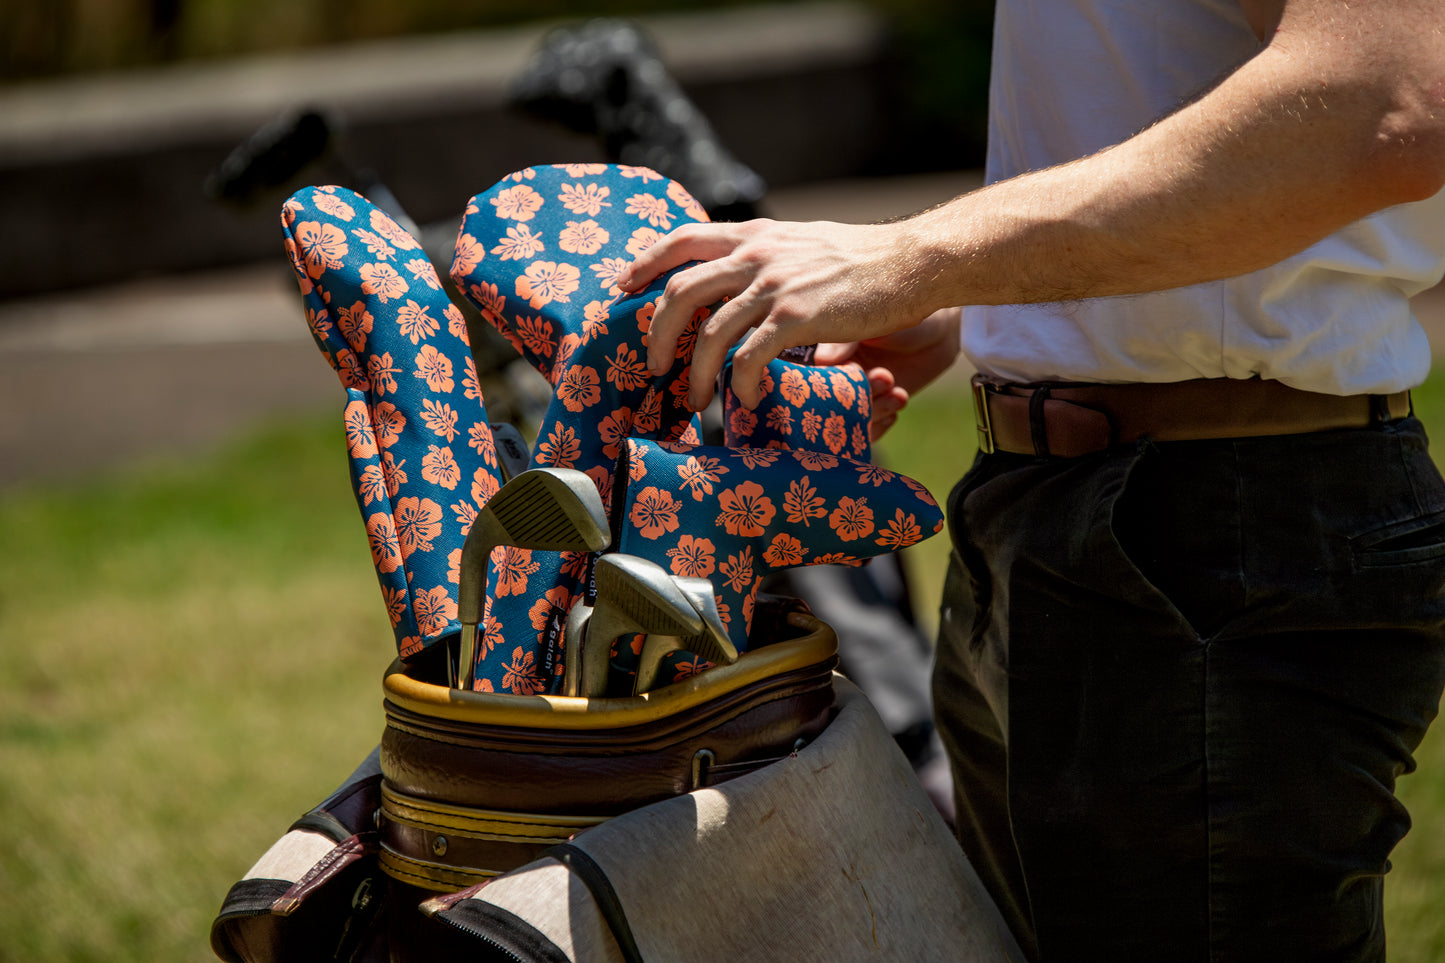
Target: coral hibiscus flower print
468,255
439,467
387,422
746,511
585,199
901,532
382,224
608,270
642,239
521,677
382,282
355,323
322,246
434,608
360,436
333,205
519,203
435,369
418,521
547,281
512,574
851,519
381,536
654,512
382,372
582,237
579,388
519,244
416,324
693,557
785,551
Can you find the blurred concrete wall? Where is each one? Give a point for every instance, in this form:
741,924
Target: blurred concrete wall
101,177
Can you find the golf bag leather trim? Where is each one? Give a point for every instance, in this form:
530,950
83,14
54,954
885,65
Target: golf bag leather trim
466,800
808,646
330,908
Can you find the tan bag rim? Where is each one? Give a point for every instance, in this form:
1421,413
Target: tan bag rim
816,645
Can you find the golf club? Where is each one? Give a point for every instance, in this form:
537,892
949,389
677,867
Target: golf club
572,648
712,643
634,597
552,509
511,447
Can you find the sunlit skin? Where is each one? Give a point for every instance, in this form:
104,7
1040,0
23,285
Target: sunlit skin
1340,114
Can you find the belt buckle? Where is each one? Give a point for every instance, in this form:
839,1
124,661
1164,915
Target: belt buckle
981,419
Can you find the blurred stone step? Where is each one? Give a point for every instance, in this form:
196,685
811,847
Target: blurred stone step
101,177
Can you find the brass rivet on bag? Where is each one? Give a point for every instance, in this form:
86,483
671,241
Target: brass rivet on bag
439,846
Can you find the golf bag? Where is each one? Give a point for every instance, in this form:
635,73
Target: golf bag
743,847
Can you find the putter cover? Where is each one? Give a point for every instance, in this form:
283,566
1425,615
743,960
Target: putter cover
421,451
822,408
732,515
539,254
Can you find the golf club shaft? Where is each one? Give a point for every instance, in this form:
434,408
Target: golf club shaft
467,656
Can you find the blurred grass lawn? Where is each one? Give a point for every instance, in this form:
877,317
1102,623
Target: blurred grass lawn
191,657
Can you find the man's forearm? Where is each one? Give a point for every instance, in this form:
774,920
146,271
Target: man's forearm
1330,122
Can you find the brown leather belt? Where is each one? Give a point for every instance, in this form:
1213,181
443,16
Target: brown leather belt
1067,420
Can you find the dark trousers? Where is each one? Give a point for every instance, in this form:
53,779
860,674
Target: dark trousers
1177,684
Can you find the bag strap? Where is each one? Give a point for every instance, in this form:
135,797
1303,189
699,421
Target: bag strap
585,868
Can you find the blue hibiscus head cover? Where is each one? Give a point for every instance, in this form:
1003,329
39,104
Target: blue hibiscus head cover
539,254
732,515
421,452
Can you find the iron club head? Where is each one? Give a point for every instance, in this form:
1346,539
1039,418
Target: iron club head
637,597
552,509
711,643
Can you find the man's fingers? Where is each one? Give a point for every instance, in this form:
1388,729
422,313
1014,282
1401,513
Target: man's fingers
880,382
715,337
751,360
835,352
886,407
697,287
690,242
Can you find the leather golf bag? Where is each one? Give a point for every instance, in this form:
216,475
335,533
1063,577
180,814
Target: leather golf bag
692,826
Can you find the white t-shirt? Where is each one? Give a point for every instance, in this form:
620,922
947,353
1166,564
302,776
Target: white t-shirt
1071,77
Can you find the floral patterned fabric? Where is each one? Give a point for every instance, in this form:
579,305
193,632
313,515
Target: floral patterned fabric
732,515
803,406
421,452
539,254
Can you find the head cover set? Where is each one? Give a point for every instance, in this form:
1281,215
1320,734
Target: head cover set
539,254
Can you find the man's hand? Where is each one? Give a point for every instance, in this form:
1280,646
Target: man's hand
899,364
793,284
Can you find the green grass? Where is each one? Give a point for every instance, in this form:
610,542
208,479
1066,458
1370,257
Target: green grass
190,660
190,654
